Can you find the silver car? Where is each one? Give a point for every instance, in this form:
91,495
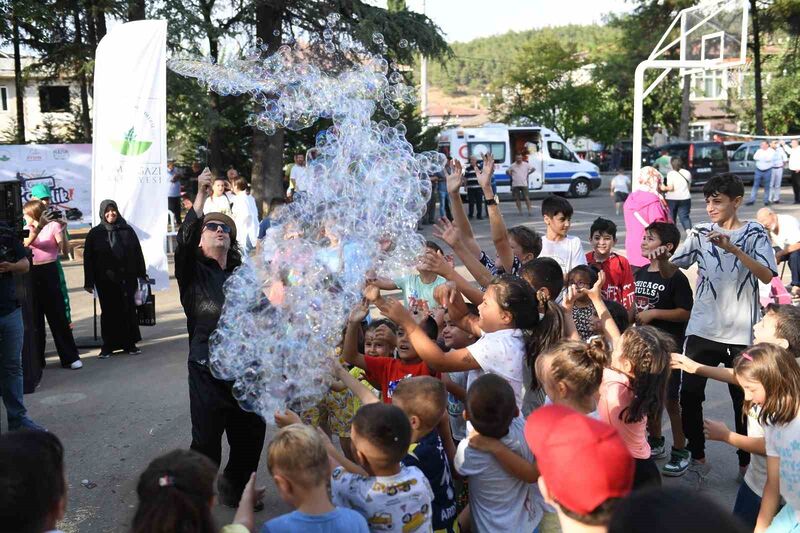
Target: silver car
742,164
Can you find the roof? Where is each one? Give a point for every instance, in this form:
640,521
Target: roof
436,110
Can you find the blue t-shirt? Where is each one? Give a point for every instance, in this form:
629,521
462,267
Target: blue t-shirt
428,455
340,520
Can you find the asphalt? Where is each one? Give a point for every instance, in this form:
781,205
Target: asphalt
114,416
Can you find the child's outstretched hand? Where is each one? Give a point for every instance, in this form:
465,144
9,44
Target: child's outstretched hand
659,254
595,293
721,240
359,312
250,496
570,296
715,430
435,262
681,362
371,293
446,294
454,178
447,231
286,418
485,176
395,311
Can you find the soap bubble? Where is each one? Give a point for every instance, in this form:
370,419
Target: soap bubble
403,43
285,309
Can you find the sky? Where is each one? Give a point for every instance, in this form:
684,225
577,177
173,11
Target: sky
464,20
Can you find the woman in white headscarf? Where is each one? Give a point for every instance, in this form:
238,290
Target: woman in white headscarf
644,206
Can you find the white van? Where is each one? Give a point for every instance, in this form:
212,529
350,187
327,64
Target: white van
556,167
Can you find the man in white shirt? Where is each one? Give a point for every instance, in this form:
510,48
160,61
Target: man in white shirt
763,158
659,138
794,168
519,171
298,178
778,161
784,231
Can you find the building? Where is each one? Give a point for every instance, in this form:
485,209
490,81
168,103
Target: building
44,101
447,115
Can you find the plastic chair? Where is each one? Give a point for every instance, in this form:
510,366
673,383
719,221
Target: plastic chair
171,233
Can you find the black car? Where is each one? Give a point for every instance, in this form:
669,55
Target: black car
703,159
621,153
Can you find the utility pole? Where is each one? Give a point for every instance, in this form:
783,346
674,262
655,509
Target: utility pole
423,78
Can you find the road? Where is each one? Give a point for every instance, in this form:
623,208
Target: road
114,416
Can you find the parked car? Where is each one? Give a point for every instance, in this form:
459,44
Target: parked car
742,163
731,147
703,159
626,154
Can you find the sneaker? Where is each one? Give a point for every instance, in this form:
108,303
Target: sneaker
134,350
104,355
76,365
749,203
657,447
678,464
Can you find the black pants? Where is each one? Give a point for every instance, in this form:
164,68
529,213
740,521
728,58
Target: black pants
475,199
174,205
50,304
646,474
796,185
693,388
214,411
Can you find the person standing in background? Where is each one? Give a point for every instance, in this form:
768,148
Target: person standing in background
474,194
660,138
220,200
778,161
519,172
678,193
763,159
298,178
174,194
245,214
113,263
620,189
794,167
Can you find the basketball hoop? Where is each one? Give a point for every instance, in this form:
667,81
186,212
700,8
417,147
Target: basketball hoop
736,74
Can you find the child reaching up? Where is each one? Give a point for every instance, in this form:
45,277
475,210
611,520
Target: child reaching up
387,372
299,465
498,500
417,288
770,378
506,323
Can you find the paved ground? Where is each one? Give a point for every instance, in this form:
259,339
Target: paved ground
114,416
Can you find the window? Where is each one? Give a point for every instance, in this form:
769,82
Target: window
698,132
498,150
709,152
3,98
740,154
54,99
708,85
559,151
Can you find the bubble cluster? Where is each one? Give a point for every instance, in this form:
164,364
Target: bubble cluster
366,189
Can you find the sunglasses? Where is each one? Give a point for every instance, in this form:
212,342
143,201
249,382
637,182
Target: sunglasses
214,226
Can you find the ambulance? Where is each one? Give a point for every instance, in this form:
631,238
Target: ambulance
556,168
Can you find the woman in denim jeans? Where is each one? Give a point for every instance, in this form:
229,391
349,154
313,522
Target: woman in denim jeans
678,194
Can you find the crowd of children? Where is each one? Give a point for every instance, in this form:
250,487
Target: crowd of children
530,402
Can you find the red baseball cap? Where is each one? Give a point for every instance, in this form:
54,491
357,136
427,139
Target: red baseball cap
583,461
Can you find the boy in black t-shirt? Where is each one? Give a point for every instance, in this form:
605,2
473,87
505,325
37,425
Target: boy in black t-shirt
665,303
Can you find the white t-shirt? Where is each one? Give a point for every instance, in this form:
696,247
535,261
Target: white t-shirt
784,442
763,158
245,214
621,183
756,475
500,352
726,301
499,501
299,176
389,503
519,174
568,252
788,231
794,159
219,204
679,180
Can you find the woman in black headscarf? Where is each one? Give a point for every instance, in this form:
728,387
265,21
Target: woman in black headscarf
112,264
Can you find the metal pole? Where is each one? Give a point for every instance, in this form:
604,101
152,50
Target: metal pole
638,101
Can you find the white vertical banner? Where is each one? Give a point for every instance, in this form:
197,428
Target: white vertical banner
129,156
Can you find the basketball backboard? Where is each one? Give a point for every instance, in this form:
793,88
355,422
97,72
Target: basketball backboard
714,32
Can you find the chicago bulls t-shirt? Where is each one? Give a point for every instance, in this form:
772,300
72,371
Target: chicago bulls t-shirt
656,292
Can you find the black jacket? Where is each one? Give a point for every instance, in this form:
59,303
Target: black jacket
100,263
200,282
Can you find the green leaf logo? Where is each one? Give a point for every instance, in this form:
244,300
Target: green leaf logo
4,158
129,145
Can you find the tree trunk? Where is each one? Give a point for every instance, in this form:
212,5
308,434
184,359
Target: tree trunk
86,120
686,108
19,84
136,10
99,16
267,152
759,93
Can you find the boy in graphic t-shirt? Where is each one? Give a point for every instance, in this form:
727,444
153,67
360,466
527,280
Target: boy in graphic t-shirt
732,256
665,303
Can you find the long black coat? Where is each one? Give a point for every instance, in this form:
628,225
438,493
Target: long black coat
115,279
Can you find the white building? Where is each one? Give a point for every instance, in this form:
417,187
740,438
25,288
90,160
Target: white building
43,100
